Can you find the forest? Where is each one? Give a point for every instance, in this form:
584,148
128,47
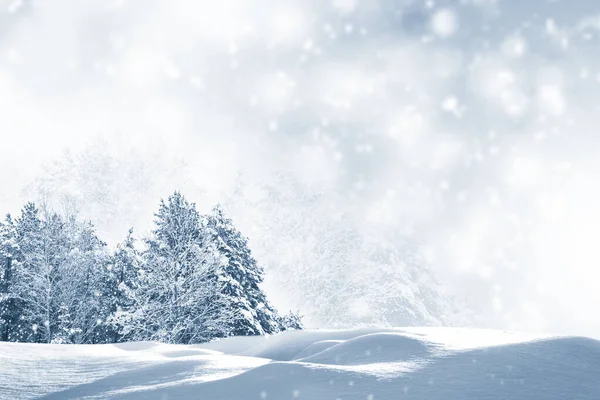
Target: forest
191,280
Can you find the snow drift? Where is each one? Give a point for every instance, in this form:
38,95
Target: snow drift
368,364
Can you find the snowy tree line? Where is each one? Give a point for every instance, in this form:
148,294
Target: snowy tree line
193,279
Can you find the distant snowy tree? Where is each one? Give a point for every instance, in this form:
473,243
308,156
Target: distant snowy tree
339,272
291,321
403,290
311,252
239,276
180,296
114,185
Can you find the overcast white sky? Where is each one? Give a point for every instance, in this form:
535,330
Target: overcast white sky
471,125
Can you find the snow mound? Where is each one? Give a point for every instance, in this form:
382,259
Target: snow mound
372,348
316,347
284,346
415,363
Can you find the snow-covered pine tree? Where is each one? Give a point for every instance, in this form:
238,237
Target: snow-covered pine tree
33,278
59,275
240,276
125,274
89,295
180,296
9,314
58,282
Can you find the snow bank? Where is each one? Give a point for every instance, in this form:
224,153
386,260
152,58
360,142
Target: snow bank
367,364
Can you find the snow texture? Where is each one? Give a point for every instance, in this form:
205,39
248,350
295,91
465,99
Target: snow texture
372,364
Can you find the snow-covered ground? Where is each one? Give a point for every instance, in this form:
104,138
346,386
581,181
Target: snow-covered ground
367,364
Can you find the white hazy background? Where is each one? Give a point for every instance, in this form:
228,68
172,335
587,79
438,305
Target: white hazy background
469,126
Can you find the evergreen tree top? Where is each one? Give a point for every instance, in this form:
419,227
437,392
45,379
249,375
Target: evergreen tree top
176,222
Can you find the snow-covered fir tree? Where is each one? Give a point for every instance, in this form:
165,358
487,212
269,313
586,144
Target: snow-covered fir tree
179,293
59,273
9,315
124,283
89,300
240,276
33,278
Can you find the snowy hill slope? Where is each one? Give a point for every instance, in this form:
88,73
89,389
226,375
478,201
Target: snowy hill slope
427,363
